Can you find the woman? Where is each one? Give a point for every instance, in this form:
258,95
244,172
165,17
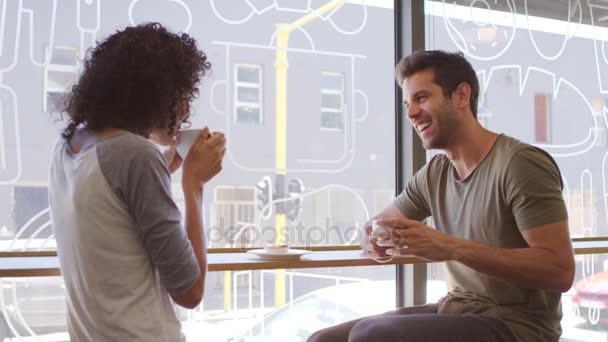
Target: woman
124,254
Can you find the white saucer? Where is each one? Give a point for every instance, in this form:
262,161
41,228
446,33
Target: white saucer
290,254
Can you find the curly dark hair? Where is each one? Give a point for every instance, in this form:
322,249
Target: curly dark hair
138,79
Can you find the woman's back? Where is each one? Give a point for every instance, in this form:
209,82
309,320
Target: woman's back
113,290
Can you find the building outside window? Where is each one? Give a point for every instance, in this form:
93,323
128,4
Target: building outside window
332,101
599,110
542,118
248,94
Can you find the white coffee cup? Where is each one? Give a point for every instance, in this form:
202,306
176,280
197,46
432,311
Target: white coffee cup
186,139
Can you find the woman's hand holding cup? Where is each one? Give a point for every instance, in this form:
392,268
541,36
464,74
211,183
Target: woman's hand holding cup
204,159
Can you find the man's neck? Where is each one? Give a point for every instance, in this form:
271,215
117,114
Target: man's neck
469,147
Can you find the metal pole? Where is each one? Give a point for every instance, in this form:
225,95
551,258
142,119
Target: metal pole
410,155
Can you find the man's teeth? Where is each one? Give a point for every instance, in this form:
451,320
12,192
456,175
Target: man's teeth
423,127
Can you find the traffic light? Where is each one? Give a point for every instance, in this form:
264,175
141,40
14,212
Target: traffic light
264,197
295,187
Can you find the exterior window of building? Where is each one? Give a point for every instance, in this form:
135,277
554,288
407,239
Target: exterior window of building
332,101
248,94
59,75
599,106
234,211
542,115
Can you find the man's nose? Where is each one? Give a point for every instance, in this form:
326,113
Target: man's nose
412,110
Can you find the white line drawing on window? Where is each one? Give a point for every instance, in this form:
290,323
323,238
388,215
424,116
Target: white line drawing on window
298,6
87,11
599,111
216,86
559,84
349,138
569,27
345,157
10,32
587,203
605,183
475,28
37,17
594,313
233,207
253,7
244,19
178,26
599,14
10,304
357,198
10,160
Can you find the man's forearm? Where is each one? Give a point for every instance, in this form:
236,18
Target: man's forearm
531,267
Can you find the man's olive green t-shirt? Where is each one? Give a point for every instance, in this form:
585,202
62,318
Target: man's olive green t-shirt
515,187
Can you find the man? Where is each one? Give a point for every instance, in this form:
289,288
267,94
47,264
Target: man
500,219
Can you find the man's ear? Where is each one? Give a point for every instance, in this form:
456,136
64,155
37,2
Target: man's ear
462,95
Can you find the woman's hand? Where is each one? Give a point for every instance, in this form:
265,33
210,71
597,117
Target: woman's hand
204,160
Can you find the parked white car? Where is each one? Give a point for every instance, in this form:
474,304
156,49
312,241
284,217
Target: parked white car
322,308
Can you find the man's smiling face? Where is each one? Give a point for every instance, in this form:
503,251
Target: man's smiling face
428,110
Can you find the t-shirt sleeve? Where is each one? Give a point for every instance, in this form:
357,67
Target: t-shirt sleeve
413,200
138,174
533,186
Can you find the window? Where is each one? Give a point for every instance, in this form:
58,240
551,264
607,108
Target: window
523,58
542,113
332,101
59,75
234,213
248,94
238,97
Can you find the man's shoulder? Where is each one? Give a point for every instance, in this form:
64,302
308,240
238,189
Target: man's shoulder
510,149
437,162
522,158
511,145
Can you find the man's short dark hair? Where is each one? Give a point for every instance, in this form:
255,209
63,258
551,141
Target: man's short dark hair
451,69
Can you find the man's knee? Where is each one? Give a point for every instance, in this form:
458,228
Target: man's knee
325,335
370,329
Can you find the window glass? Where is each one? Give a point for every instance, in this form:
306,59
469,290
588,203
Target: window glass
263,74
543,75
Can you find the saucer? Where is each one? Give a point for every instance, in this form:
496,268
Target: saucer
290,254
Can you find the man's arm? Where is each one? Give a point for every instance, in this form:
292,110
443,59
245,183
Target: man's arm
547,263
